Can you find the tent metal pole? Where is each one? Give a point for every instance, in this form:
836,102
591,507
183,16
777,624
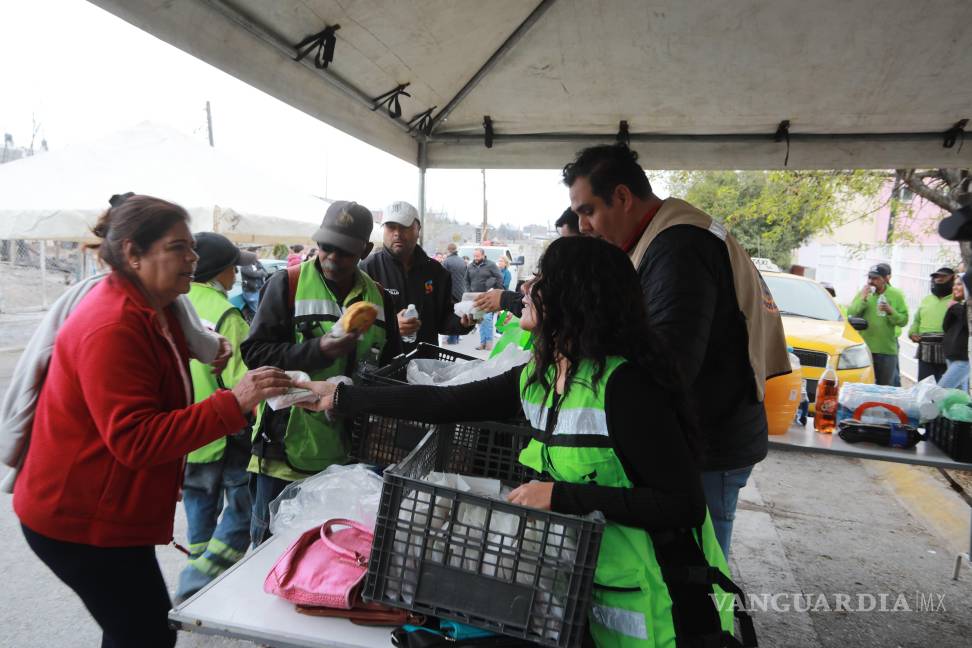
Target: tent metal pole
43,272
723,138
423,164
491,62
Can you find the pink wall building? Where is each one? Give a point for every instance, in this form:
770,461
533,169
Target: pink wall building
916,220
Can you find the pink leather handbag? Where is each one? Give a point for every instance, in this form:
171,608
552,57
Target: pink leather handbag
323,567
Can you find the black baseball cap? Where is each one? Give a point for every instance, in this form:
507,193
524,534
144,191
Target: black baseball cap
880,270
944,271
346,225
216,253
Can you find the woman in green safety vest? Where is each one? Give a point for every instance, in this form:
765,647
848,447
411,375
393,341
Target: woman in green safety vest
215,491
611,431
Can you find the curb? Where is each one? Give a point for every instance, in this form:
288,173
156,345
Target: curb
13,349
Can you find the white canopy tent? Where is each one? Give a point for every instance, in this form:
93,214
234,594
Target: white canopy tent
741,84
59,195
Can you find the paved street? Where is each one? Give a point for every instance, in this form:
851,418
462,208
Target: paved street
809,528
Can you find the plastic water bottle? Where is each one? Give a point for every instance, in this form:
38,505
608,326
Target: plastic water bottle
825,405
882,300
410,313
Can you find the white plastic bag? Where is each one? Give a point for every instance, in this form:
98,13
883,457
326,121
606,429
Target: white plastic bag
467,308
338,492
442,373
293,395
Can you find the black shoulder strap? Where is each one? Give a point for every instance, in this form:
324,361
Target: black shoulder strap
690,578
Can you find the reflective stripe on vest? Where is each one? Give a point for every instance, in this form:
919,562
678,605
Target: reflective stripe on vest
570,420
324,308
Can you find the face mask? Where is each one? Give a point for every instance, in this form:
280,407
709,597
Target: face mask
942,289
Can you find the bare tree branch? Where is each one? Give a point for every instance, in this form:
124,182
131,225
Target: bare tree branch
937,197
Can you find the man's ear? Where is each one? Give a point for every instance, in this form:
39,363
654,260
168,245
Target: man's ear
370,246
623,197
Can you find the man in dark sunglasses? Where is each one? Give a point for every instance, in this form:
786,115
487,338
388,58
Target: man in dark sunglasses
292,329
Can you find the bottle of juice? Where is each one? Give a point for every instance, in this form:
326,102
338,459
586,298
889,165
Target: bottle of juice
825,405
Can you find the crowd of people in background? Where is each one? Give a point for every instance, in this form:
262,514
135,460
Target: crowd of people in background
939,327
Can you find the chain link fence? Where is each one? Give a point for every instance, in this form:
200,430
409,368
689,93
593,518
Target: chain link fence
35,273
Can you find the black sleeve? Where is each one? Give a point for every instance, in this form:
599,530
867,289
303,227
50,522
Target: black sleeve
393,339
951,316
270,342
680,290
648,439
512,301
495,398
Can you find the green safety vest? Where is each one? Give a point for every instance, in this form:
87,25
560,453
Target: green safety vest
215,311
312,442
630,605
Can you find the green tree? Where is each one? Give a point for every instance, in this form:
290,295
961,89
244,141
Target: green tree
772,213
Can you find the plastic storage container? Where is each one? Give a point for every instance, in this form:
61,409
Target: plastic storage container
783,398
953,437
383,440
514,570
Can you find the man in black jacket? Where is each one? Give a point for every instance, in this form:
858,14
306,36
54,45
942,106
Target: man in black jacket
457,269
687,281
407,273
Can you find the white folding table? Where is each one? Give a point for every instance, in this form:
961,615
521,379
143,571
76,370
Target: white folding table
235,605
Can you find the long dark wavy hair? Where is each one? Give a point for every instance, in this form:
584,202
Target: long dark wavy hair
589,305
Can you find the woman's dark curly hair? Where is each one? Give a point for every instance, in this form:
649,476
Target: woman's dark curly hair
589,305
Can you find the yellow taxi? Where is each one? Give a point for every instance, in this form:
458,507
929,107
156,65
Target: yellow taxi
818,331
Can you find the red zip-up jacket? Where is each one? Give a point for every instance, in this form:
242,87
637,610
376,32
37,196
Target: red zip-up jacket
113,424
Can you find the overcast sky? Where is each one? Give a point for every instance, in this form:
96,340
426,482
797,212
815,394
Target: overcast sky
83,73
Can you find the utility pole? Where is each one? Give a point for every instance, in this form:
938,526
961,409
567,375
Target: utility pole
209,123
483,237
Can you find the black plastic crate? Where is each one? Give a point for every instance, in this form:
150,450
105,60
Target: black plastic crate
383,440
953,437
394,372
443,552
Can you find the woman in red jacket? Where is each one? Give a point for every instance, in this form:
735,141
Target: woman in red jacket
114,420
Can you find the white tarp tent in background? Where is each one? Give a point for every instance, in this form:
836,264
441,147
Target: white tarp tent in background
59,195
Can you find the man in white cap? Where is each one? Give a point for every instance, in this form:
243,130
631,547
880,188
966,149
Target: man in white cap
403,268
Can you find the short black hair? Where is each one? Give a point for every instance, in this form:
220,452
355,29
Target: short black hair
568,218
606,167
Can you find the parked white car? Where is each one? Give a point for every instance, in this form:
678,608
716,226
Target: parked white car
765,265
